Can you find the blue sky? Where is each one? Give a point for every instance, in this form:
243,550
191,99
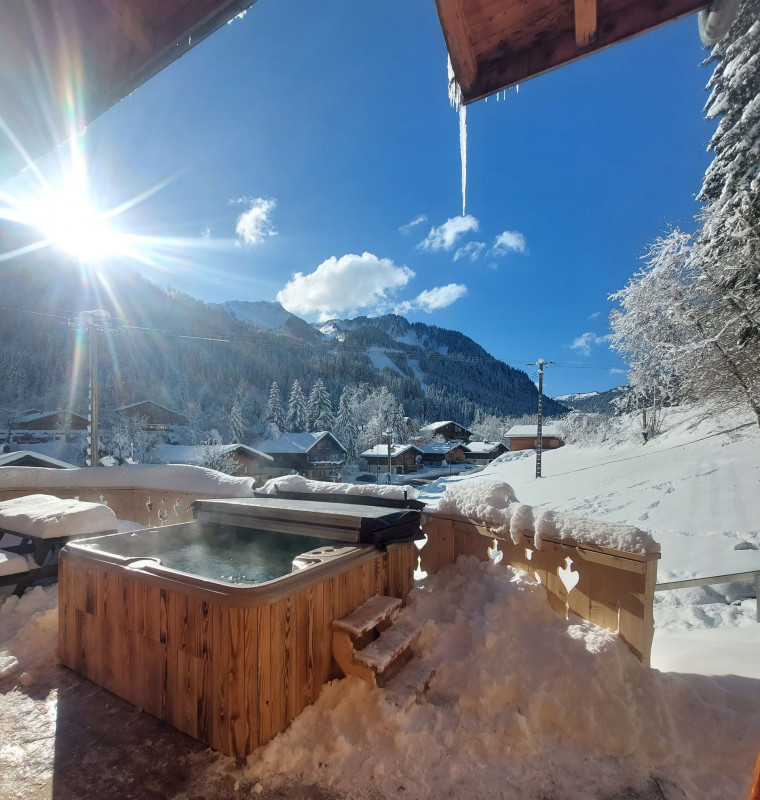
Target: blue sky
305,139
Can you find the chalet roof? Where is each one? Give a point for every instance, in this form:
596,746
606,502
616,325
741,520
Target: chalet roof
192,454
547,429
95,52
483,447
434,426
38,415
40,460
439,447
295,442
153,405
494,44
381,450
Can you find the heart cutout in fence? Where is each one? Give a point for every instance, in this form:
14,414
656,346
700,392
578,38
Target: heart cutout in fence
567,576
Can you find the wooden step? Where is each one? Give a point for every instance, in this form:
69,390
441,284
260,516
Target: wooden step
391,643
374,612
409,684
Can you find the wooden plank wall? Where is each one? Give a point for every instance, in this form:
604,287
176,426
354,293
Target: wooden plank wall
614,589
233,677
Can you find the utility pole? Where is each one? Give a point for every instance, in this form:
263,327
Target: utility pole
389,434
94,322
539,432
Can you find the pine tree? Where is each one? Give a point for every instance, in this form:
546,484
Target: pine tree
274,413
296,419
319,409
346,427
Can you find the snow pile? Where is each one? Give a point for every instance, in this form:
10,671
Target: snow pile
493,502
297,483
522,704
45,516
157,477
29,634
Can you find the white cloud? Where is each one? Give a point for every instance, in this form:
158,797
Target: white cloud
594,315
440,297
471,250
407,229
343,285
445,236
255,224
508,242
617,371
586,341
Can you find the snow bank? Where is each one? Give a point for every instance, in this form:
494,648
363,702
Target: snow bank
158,477
297,483
522,704
493,502
48,517
29,634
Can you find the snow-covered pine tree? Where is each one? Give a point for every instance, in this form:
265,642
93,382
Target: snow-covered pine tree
346,427
274,413
238,426
296,419
319,408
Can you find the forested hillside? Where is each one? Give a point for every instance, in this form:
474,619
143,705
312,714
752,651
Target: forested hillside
199,359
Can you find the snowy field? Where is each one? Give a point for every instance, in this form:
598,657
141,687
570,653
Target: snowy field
523,704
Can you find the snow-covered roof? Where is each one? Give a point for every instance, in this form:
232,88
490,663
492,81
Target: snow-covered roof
547,429
144,403
482,447
193,454
8,459
295,442
160,477
381,450
439,447
434,426
43,414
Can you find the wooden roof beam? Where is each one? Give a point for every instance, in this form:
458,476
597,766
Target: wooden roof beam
585,22
458,43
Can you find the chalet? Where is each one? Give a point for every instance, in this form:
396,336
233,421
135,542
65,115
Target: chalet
448,430
316,455
523,437
156,416
437,453
404,458
251,462
28,458
483,452
34,420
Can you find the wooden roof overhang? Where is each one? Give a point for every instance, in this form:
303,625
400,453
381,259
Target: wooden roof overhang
64,62
495,44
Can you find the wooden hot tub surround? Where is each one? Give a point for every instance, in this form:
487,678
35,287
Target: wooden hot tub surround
228,665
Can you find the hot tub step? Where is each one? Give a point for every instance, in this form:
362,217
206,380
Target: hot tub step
373,613
391,643
411,682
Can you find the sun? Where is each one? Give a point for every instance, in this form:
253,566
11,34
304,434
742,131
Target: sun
68,220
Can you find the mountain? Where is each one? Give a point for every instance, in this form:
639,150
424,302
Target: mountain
600,402
197,357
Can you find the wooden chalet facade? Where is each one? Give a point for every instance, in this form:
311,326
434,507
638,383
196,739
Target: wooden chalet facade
315,455
438,453
523,437
157,417
34,420
404,458
484,452
449,430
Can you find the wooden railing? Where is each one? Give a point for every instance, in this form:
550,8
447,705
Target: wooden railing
611,588
751,575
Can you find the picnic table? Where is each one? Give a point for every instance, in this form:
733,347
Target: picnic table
34,528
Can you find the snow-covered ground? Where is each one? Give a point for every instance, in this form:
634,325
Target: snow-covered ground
523,704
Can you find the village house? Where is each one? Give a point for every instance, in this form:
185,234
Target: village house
28,458
448,430
158,419
316,455
46,424
483,452
250,462
436,454
524,437
404,458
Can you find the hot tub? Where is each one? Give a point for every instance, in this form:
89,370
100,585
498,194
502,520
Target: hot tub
222,626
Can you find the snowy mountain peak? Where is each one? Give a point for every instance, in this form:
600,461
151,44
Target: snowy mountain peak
262,314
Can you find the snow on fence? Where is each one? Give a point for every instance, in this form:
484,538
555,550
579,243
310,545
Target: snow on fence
612,588
147,494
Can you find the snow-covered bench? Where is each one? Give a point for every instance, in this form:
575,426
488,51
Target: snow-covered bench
35,527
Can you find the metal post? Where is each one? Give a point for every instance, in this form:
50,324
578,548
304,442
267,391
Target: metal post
389,435
539,434
94,460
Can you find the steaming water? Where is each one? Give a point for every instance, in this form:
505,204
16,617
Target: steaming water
219,552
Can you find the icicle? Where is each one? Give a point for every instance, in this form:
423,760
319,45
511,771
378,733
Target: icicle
517,88
455,98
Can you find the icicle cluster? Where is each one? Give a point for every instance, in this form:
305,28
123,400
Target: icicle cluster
455,98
